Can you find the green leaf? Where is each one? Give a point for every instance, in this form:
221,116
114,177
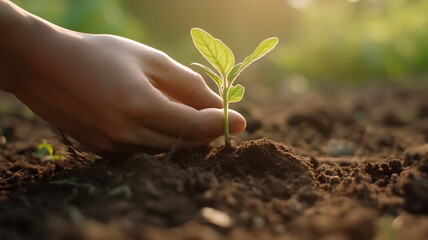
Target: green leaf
234,72
210,73
264,47
44,149
57,156
214,50
236,93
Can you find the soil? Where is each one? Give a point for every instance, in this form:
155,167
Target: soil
343,164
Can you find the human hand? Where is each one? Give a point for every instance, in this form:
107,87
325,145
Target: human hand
109,93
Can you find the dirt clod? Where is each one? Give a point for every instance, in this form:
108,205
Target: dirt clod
344,165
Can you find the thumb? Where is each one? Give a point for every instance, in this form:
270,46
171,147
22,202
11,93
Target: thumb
184,85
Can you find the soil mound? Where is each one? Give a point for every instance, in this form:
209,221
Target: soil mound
415,181
364,175
259,158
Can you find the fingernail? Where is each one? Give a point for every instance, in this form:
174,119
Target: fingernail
237,123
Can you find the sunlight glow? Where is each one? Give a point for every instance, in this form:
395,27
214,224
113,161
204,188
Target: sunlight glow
299,4
298,84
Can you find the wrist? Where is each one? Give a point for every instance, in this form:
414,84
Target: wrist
13,24
28,43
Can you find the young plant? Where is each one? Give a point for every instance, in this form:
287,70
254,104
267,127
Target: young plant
223,61
45,152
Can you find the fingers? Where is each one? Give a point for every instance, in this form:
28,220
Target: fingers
177,119
139,142
183,84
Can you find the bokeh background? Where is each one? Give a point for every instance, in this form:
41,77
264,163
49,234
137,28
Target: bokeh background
336,42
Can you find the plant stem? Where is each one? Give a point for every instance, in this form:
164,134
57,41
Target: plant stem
226,117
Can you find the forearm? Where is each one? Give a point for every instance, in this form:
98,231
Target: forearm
10,14
13,24
26,43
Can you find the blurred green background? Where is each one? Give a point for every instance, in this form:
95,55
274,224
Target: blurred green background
321,41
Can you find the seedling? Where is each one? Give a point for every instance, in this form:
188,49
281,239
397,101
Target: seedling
223,61
45,152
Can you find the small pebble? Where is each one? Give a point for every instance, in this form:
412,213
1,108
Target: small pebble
216,217
337,148
334,179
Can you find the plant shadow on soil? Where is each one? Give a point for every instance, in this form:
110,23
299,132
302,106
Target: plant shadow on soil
354,170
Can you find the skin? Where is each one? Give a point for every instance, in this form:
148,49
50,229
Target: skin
112,94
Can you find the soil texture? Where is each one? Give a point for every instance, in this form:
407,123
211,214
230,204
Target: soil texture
348,164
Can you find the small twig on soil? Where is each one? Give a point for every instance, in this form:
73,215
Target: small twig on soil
176,145
75,215
125,190
77,155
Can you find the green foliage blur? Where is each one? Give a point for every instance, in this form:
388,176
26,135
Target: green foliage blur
362,41
321,41
90,16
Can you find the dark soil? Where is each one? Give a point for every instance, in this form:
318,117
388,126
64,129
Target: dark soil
324,165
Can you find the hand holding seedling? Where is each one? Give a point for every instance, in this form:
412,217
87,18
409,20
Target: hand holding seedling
108,92
222,59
